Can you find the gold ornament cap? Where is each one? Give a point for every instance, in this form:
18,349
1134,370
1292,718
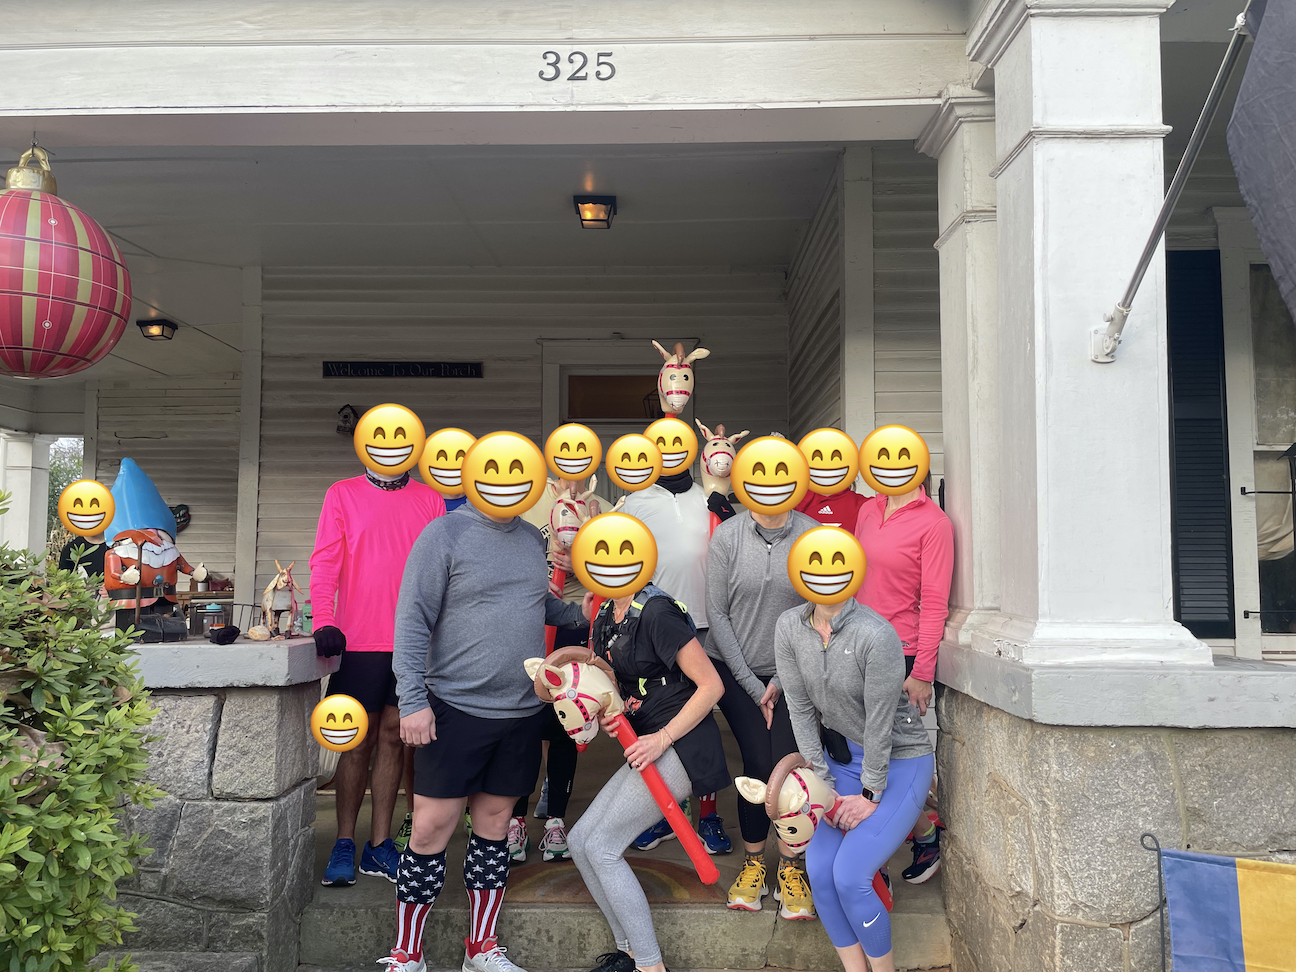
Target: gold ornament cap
37,177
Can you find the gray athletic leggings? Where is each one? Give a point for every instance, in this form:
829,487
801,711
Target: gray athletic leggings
622,811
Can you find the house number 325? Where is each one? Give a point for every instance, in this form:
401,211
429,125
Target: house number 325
604,69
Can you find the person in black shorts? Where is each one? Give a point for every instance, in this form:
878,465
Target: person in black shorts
473,605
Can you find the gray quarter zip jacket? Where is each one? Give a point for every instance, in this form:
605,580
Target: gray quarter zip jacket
747,589
851,684
474,600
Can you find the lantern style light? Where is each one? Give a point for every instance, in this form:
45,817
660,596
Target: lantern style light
157,329
65,293
595,212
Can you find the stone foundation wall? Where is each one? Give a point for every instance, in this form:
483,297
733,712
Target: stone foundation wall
233,845
1042,864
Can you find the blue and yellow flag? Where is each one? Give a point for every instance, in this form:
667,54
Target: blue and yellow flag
1230,914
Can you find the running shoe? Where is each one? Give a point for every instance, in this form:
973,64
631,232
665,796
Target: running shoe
542,805
617,961
714,839
747,890
926,860
793,893
341,866
518,840
380,861
654,835
399,961
403,835
553,845
492,959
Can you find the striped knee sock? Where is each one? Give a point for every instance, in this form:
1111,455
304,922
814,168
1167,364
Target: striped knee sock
419,880
486,867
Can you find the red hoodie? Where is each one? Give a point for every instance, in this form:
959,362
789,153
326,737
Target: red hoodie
839,510
910,562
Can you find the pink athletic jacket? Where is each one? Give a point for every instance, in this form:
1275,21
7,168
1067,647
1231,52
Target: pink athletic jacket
364,536
910,561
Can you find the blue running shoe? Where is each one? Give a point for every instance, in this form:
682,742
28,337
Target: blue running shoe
714,839
654,835
380,861
341,866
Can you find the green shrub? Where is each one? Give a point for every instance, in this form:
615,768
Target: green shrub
72,719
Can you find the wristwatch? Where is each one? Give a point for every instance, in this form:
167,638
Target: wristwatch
872,796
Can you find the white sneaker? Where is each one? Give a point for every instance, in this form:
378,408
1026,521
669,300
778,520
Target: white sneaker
399,961
493,960
518,841
553,844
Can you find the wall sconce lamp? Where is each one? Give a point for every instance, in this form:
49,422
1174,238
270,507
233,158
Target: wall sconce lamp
595,212
157,329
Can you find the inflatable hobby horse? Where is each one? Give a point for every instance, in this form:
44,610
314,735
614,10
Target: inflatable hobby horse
580,686
569,512
675,380
717,460
795,801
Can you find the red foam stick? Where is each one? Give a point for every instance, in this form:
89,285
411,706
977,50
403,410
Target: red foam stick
688,838
551,633
715,522
594,610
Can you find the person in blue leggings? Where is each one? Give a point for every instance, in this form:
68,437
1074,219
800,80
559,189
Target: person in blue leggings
842,670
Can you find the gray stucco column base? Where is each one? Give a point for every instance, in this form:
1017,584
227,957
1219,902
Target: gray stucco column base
1041,859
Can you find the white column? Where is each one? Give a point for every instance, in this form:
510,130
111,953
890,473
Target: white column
249,474
1083,460
24,475
962,138
90,431
858,365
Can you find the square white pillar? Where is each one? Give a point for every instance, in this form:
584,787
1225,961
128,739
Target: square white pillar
24,475
1083,457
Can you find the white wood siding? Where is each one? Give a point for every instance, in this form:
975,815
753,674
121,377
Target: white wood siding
183,432
495,317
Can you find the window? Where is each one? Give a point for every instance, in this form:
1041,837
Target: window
611,398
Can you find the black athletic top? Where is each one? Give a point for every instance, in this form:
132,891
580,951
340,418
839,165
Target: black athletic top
92,560
642,650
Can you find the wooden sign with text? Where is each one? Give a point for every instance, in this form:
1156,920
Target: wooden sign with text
402,369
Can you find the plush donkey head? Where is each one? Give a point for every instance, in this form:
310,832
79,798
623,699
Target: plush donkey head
579,685
675,380
570,510
795,799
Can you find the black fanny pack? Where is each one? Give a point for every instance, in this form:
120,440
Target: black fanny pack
640,688
835,745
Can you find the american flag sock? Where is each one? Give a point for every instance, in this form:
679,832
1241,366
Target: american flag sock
486,867
419,880
707,806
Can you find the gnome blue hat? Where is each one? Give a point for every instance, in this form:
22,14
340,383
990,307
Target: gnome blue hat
139,504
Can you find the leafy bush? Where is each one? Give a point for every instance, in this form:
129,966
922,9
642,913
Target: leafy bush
72,715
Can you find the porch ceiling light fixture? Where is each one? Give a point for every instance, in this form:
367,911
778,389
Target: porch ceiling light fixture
595,212
157,329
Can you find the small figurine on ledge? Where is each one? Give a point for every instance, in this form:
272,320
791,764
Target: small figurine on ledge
280,598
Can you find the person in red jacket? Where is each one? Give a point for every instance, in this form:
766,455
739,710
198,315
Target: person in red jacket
839,510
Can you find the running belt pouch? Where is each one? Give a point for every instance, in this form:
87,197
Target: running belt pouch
835,745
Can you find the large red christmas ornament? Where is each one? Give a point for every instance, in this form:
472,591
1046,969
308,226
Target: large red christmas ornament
65,293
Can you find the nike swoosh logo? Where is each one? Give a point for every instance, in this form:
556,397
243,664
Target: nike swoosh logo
870,924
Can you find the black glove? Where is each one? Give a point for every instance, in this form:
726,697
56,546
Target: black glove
329,641
720,506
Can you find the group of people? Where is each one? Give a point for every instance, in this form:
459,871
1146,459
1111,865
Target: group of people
435,614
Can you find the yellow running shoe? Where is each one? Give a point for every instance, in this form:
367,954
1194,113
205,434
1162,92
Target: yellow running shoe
793,892
746,892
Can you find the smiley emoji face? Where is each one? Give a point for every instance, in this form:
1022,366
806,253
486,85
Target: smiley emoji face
634,462
86,507
894,460
504,474
614,554
389,439
573,451
441,464
832,458
826,565
339,723
676,442
769,475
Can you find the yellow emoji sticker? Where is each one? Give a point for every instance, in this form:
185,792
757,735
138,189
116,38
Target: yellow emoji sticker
614,555
504,474
826,565
676,442
339,723
894,459
441,465
634,462
833,460
769,475
86,507
389,439
573,451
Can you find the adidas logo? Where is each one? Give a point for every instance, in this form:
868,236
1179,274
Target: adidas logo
826,509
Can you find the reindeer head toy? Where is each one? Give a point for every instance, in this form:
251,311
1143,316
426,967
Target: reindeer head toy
795,799
675,380
579,685
717,458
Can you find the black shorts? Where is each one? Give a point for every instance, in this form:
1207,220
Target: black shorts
909,664
474,755
367,677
